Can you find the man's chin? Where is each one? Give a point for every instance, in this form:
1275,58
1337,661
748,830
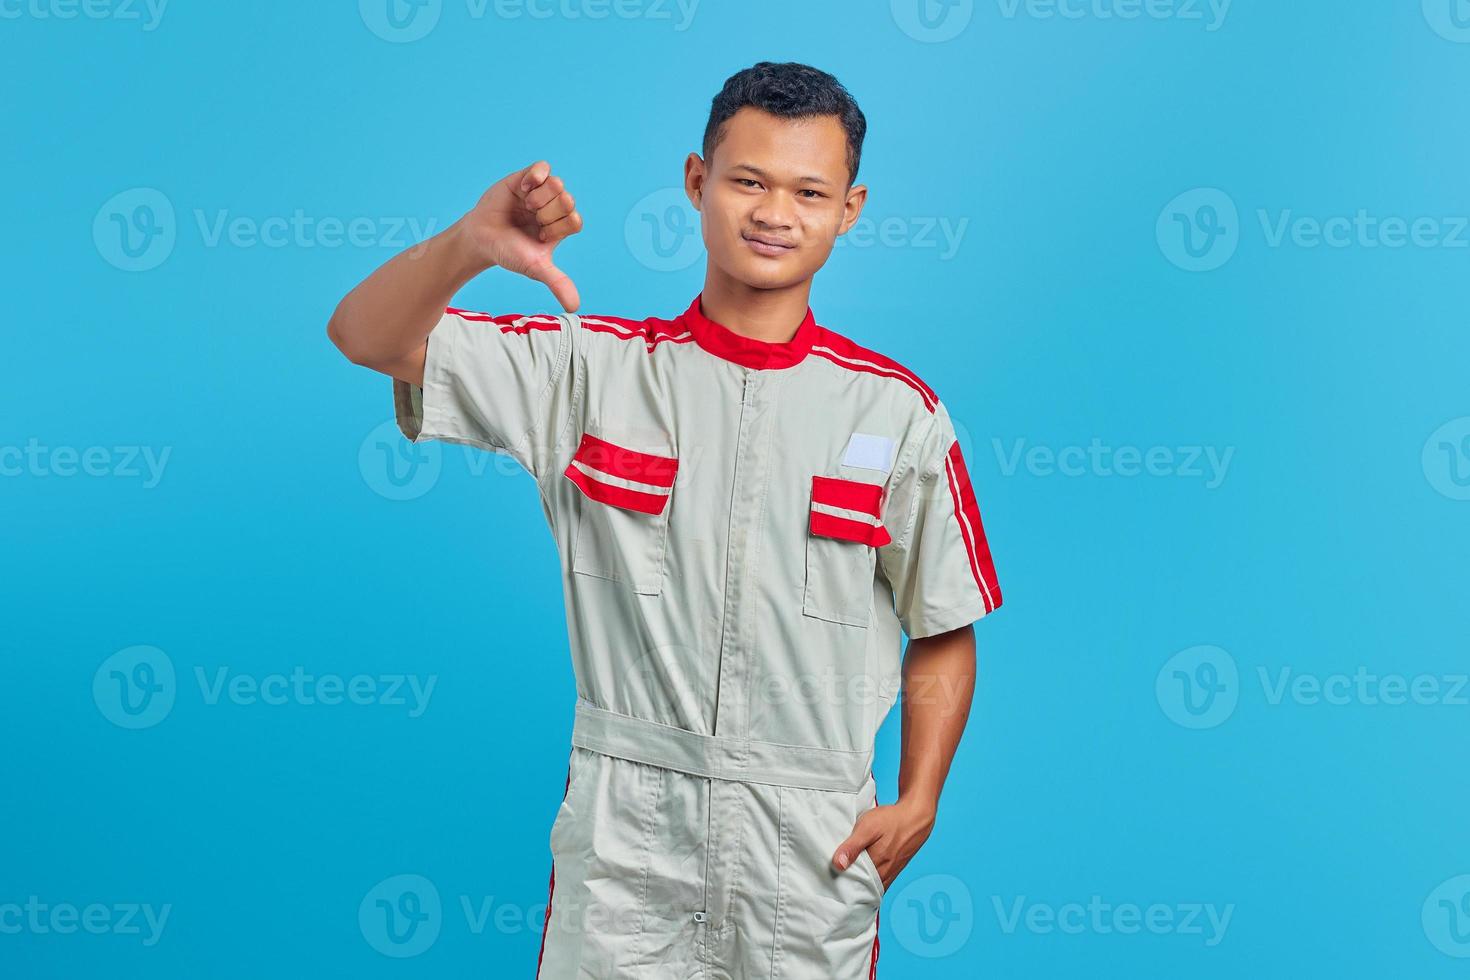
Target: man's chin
765,274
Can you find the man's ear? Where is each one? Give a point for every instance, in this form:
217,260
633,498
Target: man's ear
694,179
852,207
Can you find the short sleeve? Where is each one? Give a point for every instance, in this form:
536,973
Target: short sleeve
500,382
939,562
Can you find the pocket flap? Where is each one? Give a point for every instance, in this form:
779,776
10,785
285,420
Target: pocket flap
848,509
622,477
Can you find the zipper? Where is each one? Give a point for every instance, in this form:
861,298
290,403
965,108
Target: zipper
701,916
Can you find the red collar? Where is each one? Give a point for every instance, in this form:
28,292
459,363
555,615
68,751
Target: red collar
721,341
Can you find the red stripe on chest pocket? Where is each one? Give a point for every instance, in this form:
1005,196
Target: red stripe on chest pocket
865,499
597,459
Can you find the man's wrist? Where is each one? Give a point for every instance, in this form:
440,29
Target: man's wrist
921,805
466,252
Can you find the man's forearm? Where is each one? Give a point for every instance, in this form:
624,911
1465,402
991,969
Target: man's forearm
938,685
387,318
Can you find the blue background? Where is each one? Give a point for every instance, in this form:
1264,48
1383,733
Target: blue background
1094,764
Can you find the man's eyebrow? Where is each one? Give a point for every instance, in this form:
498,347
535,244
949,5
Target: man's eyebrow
765,176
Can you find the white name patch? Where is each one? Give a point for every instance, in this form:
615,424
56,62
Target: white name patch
869,451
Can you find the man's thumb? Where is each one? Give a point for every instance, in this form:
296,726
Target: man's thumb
848,850
559,283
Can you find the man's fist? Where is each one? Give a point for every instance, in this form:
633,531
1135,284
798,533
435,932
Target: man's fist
519,221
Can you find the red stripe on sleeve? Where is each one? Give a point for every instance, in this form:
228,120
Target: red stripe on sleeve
967,512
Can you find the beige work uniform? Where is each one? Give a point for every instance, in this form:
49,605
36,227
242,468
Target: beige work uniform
744,527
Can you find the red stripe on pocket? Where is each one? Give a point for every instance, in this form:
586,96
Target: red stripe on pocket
647,503
628,464
847,494
831,526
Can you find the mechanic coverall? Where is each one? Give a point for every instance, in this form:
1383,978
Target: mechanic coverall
743,527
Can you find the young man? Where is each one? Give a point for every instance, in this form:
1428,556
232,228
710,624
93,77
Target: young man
748,507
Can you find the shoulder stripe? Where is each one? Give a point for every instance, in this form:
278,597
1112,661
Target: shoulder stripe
872,367
842,351
652,332
468,314
509,322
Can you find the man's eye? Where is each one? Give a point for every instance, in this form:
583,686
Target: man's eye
747,181
815,194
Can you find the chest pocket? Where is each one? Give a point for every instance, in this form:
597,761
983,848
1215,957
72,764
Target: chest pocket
623,531
844,532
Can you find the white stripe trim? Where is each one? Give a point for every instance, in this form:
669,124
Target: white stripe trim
618,481
862,517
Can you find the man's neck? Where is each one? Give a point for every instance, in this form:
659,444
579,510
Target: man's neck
770,315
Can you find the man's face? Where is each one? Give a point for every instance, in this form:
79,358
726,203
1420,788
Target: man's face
773,197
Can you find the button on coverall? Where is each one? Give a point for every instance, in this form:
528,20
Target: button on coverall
744,527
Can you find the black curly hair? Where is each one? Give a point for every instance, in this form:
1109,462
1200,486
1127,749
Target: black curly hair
792,90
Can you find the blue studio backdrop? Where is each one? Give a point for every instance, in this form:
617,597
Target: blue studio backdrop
288,697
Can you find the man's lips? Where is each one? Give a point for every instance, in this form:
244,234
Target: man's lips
767,245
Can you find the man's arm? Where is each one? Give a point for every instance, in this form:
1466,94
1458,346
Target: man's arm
938,685
384,323
938,565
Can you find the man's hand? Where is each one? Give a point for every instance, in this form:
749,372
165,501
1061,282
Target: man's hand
384,323
891,835
520,220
